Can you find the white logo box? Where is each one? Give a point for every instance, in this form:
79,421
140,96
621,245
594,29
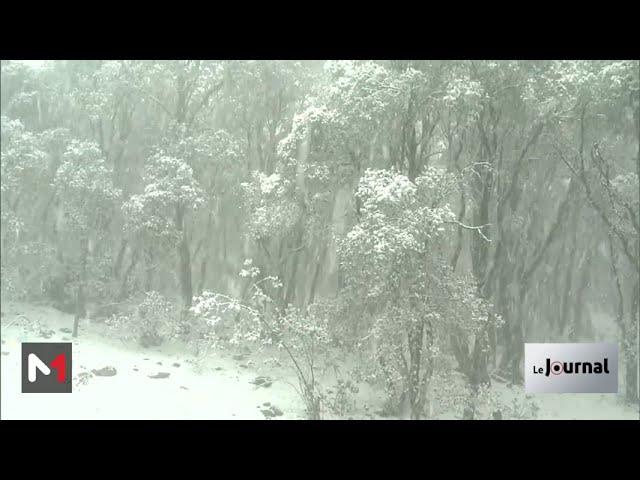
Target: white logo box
571,368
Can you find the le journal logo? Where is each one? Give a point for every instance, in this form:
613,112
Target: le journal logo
571,368
558,368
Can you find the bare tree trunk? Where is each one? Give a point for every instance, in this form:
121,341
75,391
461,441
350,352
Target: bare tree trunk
415,337
576,329
118,263
80,309
205,256
184,256
632,355
127,274
458,248
80,297
316,276
148,268
290,285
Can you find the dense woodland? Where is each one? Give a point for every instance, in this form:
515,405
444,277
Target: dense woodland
423,219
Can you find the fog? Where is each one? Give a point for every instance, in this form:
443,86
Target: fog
319,239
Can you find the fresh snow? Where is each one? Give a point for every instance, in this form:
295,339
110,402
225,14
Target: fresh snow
222,390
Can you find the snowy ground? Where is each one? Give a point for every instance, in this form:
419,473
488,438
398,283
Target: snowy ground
223,389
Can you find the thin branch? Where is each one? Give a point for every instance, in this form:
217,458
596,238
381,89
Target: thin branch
537,131
152,98
18,317
614,269
502,89
265,248
468,227
614,198
298,248
560,217
477,164
204,101
598,209
434,153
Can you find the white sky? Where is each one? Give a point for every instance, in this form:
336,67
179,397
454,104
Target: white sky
34,63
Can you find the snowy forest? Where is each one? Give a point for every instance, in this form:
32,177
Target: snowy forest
318,239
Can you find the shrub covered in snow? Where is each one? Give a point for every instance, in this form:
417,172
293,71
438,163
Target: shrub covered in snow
154,321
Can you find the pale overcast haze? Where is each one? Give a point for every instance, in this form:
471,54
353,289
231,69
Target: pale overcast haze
34,63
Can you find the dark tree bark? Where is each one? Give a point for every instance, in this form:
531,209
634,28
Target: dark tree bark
184,256
316,276
80,296
149,257
204,263
119,259
135,256
415,338
633,355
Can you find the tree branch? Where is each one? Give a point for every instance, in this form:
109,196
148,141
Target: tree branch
204,101
468,227
172,115
598,209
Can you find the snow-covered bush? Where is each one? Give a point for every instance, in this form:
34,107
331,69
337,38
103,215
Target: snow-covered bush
408,303
301,336
154,322
521,408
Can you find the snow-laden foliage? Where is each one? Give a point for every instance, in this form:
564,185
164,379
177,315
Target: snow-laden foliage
217,160
364,90
27,277
20,92
144,217
261,93
301,336
22,164
87,205
89,198
626,202
23,161
411,303
273,206
170,181
396,222
320,130
27,187
154,321
357,112
224,320
170,185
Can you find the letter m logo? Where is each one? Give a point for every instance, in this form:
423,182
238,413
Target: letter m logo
46,368
36,364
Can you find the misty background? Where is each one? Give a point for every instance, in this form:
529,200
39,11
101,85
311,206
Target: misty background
366,239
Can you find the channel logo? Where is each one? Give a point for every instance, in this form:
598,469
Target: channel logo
46,368
571,368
